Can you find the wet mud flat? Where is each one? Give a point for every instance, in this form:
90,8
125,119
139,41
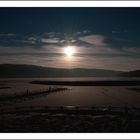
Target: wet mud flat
4,87
135,89
71,120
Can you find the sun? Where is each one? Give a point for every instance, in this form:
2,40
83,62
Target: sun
69,50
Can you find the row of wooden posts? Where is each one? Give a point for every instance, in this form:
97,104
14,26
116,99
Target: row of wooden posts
29,93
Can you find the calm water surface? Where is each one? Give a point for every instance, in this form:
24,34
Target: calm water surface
77,96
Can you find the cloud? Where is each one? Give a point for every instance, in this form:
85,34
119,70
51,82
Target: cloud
116,32
132,50
98,45
99,62
95,40
21,40
7,35
15,49
48,42
92,50
51,40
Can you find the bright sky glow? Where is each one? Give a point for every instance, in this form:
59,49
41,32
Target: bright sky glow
69,50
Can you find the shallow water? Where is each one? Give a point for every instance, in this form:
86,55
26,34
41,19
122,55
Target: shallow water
75,96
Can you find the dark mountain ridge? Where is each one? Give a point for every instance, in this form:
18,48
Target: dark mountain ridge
21,70
135,73
27,71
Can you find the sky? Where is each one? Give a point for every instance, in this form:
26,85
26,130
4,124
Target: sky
101,38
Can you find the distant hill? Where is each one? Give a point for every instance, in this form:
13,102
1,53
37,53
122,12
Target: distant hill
27,71
135,73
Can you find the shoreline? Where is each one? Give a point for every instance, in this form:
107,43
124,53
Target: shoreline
90,83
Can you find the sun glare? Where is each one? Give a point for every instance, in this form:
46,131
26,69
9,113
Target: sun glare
69,51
